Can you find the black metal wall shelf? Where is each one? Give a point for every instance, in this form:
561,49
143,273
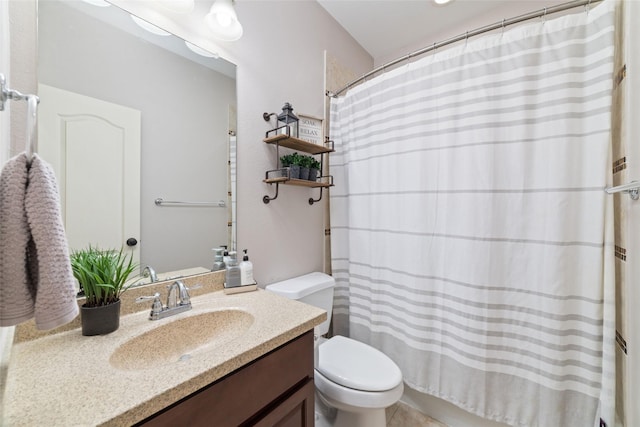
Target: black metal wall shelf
282,175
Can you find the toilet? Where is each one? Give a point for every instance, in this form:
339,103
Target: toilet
354,381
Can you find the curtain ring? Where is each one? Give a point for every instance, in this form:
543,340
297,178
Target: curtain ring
587,6
503,25
434,50
544,16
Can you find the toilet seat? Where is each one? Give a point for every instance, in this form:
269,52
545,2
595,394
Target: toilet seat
345,398
356,365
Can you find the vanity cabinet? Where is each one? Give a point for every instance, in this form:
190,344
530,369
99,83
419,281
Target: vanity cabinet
277,177
275,390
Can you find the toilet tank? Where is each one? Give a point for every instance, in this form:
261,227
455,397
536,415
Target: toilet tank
314,288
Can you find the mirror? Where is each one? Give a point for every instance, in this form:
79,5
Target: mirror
185,105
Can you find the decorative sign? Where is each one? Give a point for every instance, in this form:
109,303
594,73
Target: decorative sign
310,129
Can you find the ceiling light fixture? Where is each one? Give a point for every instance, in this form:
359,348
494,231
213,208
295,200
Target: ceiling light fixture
441,2
149,27
223,21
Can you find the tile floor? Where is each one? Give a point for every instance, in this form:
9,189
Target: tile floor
401,415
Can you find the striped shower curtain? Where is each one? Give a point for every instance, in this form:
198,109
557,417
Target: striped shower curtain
471,236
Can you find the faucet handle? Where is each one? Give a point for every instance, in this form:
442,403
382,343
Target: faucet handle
156,307
185,298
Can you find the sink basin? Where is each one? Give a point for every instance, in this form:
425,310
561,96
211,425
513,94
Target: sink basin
177,340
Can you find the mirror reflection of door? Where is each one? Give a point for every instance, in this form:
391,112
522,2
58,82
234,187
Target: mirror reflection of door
94,149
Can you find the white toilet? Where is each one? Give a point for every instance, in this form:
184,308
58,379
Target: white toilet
354,381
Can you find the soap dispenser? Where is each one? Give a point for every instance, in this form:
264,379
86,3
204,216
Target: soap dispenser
225,255
232,275
218,263
246,270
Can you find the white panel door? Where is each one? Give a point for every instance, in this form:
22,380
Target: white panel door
94,148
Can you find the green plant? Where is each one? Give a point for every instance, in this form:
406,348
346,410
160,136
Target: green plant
102,274
306,161
296,158
286,160
315,164
290,159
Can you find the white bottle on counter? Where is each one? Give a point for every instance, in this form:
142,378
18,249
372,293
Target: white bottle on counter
246,271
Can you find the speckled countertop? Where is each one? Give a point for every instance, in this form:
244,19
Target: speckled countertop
68,379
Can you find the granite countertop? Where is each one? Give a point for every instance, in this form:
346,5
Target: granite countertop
67,379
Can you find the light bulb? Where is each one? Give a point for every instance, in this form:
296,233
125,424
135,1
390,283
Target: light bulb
224,19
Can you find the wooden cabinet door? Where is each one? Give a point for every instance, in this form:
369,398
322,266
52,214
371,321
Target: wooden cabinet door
296,411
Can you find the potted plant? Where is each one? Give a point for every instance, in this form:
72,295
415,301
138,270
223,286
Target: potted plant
313,169
102,274
305,163
292,161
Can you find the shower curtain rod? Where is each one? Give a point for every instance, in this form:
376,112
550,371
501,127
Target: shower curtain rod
502,24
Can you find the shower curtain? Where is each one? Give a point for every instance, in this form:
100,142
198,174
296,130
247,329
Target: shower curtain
471,236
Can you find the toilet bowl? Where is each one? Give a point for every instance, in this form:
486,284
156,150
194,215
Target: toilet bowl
354,381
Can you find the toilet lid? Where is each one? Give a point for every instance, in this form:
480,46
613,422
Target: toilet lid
356,365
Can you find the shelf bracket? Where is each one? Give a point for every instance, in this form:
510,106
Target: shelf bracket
312,201
266,199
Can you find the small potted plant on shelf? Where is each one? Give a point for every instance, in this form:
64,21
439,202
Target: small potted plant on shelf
102,274
292,161
313,169
305,163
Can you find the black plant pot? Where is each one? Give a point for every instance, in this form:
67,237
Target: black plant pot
100,320
313,174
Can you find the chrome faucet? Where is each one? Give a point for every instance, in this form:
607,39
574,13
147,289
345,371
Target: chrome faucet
178,295
150,272
178,301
